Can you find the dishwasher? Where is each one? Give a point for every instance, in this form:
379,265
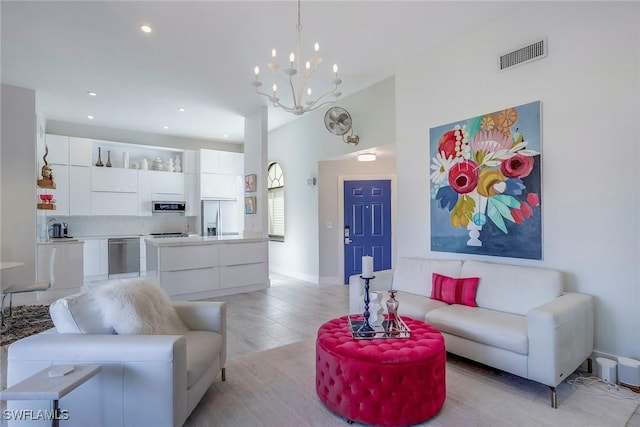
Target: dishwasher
124,257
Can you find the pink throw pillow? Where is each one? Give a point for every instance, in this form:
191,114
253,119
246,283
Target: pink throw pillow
455,290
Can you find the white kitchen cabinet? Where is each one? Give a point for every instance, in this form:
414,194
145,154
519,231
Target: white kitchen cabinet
96,259
190,162
209,161
214,185
79,190
191,194
167,183
145,193
196,269
80,151
68,269
61,192
112,203
228,162
114,180
143,256
58,149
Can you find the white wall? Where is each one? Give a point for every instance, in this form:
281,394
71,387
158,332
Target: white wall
330,209
298,147
589,86
18,183
255,162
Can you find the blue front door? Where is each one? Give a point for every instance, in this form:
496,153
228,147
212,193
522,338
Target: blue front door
367,225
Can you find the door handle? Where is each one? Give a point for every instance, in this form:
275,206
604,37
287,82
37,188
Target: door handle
347,240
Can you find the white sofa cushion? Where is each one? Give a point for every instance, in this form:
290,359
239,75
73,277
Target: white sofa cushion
414,306
78,314
494,328
201,347
137,307
414,275
513,289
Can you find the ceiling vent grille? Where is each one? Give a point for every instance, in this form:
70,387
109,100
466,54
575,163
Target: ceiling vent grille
524,55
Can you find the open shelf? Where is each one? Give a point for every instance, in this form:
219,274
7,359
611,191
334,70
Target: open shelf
46,183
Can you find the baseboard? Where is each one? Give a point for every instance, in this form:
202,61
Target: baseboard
329,280
294,274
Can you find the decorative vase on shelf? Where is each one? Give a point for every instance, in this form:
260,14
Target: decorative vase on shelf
169,166
99,162
144,164
177,164
125,160
376,312
108,159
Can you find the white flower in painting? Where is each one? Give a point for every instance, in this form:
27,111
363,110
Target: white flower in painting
440,167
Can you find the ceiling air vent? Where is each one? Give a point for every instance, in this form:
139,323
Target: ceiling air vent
529,53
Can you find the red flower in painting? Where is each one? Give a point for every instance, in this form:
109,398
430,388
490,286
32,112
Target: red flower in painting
517,215
526,210
533,199
517,166
463,176
448,144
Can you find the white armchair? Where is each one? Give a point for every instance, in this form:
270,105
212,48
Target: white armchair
146,380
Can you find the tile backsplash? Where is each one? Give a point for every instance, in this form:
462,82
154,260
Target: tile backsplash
85,226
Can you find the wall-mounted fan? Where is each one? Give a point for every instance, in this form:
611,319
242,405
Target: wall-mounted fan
338,122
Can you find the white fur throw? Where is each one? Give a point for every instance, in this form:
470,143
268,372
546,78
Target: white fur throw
137,307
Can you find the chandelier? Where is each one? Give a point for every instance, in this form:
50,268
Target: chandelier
299,80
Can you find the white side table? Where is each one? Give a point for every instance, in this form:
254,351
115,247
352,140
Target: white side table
40,386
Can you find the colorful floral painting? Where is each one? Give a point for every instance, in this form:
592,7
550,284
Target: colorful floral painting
485,184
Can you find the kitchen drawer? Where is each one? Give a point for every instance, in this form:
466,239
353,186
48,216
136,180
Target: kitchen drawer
243,275
190,281
174,258
243,253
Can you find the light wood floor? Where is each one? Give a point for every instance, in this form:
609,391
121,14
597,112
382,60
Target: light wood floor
289,311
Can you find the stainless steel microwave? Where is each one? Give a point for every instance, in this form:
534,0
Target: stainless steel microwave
169,207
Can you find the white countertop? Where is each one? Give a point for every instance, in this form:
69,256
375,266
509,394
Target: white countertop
206,240
63,241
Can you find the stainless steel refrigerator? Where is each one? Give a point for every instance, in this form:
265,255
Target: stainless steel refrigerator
221,217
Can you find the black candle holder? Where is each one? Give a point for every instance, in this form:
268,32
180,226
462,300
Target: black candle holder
366,330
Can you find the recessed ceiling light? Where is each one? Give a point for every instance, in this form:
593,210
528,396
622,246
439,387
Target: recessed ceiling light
90,117
181,109
366,157
226,135
165,127
145,28
92,93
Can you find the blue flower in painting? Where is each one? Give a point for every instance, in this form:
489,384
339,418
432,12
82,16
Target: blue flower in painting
514,187
447,197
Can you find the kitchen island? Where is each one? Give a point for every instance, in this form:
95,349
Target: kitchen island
196,267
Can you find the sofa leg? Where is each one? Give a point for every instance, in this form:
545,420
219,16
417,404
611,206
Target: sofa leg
224,376
554,398
589,365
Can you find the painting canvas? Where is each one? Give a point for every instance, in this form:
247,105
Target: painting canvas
250,205
485,184
250,183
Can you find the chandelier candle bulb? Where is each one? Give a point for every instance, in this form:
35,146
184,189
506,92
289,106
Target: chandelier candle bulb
367,267
299,83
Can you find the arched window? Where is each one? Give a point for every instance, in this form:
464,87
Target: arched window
276,202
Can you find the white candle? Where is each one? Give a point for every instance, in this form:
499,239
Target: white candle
367,267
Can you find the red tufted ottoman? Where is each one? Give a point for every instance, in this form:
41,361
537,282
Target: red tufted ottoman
385,382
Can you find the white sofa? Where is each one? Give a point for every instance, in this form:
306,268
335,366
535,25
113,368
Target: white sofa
524,322
146,380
